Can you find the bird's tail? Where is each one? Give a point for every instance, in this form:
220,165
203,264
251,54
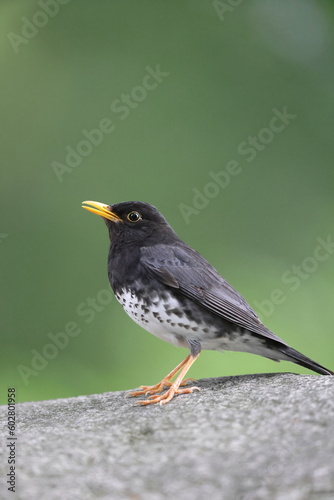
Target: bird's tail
300,359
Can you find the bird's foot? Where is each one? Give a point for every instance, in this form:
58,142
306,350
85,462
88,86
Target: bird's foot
174,388
151,389
168,395
159,387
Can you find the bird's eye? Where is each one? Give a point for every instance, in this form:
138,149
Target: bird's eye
134,216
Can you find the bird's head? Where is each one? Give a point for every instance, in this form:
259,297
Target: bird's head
133,222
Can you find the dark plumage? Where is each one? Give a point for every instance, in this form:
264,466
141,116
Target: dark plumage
173,292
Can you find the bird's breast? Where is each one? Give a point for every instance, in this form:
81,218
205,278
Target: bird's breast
163,315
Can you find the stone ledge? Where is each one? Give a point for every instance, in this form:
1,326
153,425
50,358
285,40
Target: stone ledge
250,437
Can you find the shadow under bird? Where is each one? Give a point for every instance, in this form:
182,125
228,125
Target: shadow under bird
174,293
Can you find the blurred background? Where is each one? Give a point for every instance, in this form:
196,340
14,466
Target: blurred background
218,114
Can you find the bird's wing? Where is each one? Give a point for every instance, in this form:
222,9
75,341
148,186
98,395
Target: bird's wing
182,268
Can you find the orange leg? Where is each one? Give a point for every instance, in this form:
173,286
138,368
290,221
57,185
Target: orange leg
174,388
165,382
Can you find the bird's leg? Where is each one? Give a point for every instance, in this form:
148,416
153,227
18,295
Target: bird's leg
165,382
175,386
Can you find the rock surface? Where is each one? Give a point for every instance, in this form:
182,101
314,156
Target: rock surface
250,437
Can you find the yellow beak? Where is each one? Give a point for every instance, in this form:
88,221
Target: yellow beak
101,209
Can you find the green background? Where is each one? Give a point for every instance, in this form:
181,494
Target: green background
228,69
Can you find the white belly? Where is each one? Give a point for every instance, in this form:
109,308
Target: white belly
167,326
170,327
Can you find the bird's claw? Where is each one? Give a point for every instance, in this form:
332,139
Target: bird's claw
167,396
155,389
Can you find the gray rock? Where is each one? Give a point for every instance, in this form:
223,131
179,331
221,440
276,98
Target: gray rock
248,437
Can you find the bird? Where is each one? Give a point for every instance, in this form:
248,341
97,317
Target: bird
174,293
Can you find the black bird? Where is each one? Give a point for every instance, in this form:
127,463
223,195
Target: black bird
174,293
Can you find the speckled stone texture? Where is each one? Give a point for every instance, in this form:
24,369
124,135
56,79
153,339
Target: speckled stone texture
249,437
